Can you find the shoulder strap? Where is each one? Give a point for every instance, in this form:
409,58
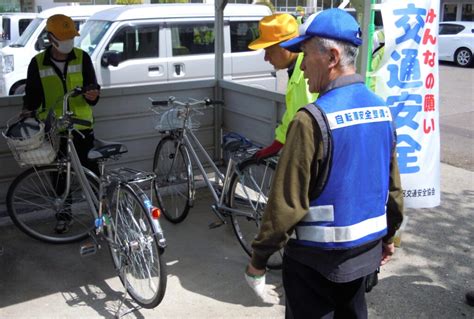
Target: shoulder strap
320,118
378,49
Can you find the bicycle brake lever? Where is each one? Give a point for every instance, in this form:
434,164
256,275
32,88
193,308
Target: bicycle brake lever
79,132
77,91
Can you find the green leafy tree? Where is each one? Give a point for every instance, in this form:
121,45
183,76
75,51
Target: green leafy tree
126,2
267,3
170,1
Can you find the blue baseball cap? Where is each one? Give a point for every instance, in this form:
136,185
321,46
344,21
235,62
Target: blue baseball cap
335,24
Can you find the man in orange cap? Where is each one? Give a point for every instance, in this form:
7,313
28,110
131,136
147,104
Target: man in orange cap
55,71
275,29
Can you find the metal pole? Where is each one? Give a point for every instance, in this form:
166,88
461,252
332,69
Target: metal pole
219,6
363,17
219,38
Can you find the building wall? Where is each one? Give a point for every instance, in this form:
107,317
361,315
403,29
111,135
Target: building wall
9,6
457,10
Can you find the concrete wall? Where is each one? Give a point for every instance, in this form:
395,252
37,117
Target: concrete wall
123,115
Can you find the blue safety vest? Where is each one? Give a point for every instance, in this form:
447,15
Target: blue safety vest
350,210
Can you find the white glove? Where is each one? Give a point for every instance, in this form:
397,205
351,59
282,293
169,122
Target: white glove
257,283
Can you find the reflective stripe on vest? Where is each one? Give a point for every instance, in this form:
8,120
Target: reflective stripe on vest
45,73
53,88
351,233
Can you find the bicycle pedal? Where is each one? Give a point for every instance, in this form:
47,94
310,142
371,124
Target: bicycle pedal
216,224
88,249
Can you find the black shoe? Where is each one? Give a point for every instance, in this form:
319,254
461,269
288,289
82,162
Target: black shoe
63,224
470,298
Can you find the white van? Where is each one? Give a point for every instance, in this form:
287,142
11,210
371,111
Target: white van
12,26
14,59
160,43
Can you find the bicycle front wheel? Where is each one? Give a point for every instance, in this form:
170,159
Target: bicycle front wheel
248,195
173,183
36,203
135,250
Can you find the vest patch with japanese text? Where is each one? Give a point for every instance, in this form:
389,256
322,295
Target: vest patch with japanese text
358,116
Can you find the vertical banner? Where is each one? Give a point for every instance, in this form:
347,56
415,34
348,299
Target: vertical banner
407,79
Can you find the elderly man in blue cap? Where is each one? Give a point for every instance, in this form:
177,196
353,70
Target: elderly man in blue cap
336,200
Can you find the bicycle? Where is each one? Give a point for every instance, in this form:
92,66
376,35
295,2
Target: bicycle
240,194
111,208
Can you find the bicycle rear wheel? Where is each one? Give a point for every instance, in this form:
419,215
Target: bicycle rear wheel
134,248
174,179
35,204
248,193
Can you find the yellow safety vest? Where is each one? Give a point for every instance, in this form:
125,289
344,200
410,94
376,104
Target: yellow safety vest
297,96
54,89
377,57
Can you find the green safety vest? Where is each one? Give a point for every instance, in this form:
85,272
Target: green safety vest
54,89
377,57
297,96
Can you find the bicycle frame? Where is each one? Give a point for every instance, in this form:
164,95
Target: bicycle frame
187,136
241,193
95,203
91,199
111,209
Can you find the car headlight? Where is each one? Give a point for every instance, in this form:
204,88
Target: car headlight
7,63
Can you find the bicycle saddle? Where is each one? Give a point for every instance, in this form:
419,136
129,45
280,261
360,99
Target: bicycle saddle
104,149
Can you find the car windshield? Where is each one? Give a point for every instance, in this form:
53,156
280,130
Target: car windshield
91,34
26,35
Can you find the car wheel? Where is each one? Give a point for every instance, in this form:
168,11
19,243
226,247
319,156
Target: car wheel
463,57
18,89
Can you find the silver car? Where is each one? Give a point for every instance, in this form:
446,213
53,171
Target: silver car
456,42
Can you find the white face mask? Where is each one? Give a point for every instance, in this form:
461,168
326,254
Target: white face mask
65,46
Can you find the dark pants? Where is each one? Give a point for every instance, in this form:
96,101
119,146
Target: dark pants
310,295
83,146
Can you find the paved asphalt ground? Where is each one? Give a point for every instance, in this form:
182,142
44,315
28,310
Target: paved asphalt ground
456,92
427,278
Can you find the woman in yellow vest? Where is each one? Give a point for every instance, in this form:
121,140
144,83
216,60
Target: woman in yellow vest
275,29
300,17
52,73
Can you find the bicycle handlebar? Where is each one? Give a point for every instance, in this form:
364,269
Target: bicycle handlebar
76,92
73,93
172,101
80,122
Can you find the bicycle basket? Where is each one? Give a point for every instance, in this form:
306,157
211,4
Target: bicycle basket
173,118
31,141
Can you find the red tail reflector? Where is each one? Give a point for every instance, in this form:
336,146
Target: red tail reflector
155,212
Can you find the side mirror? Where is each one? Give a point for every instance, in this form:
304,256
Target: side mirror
39,44
110,58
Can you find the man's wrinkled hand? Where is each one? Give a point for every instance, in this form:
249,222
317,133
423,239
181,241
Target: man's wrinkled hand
387,251
92,95
256,280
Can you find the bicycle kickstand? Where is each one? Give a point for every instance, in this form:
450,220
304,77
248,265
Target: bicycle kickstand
221,221
119,315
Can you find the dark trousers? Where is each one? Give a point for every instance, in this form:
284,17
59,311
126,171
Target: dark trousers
83,146
310,295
